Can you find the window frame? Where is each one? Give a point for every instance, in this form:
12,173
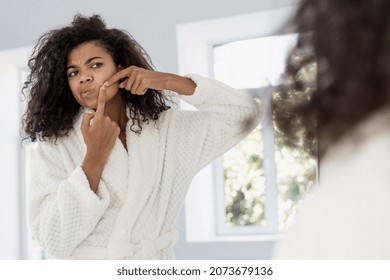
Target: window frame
195,48
271,217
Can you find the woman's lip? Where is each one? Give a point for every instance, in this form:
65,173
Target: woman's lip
87,92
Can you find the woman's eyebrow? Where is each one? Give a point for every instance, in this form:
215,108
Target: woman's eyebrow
86,62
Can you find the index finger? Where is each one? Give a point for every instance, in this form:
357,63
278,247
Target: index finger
116,77
101,101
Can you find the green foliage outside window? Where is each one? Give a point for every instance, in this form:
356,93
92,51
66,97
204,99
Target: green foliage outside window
244,182
244,177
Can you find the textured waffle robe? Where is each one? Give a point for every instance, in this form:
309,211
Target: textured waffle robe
142,189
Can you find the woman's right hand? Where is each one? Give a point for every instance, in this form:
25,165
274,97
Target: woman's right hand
100,134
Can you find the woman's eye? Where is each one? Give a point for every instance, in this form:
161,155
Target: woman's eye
72,74
96,65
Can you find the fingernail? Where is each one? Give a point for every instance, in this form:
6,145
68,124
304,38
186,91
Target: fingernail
106,84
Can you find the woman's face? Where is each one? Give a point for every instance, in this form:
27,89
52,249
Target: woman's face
88,67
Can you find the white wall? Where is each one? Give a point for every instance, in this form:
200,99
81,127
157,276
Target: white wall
153,24
11,212
9,215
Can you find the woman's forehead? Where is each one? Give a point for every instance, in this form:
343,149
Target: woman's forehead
87,50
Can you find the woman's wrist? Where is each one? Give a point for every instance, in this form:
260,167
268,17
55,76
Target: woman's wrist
93,169
180,85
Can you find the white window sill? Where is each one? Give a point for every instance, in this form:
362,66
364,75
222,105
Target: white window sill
241,238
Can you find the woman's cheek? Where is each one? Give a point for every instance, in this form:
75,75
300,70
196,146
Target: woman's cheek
74,92
112,91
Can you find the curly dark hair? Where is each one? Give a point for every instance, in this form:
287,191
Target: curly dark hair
52,108
349,41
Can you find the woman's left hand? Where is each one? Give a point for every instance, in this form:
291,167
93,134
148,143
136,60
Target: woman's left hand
138,80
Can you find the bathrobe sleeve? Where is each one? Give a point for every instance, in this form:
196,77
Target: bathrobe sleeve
62,209
223,118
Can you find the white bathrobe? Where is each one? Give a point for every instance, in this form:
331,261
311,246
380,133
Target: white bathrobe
141,190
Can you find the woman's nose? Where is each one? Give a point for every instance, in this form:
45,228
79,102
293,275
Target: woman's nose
86,77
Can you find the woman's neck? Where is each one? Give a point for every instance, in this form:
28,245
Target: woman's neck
116,110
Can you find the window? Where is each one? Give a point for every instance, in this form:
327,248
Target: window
261,181
253,191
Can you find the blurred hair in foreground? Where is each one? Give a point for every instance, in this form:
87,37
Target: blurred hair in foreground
349,42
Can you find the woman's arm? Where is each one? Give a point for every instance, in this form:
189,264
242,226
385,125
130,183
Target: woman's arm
223,118
99,137
138,80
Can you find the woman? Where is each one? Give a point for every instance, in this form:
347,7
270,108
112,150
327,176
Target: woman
113,162
346,217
